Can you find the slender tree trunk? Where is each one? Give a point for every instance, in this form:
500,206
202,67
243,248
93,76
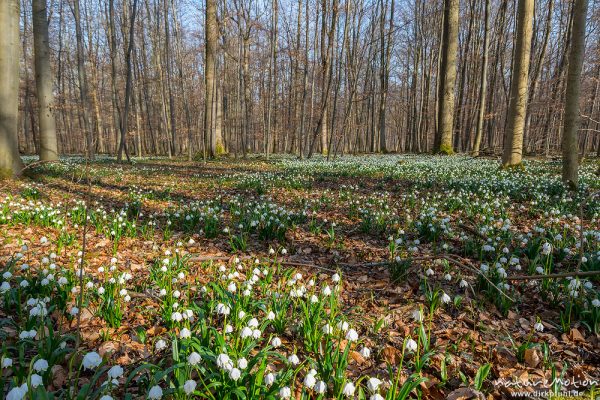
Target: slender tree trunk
10,161
571,121
448,77
48,149
83,83
209,77
513,141
483,87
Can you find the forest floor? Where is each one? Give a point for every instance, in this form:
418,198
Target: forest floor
392,276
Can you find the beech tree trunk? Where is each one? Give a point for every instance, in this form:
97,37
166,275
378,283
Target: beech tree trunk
517,108
10,161
447,77
571,120
48,149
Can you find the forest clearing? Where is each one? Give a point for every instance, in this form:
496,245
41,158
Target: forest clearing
391,276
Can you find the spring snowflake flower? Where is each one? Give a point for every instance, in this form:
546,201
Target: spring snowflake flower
411,345
327,329
269,379
352,335
310,381
546,249
160,345
194,358
285,392
343,325
445,298
36,380
41,365
115,372
235,374
242,363
463,284
335,277
222,309
276,342
91,360
17,393
185,333
155,393
224,362
189,386
539,326
106,397
365,352
246,332
293,359
320,387
417,315
429,272
228,328
596,303
373,384
5,287
348,389
7,362
271,316
253,323
376,396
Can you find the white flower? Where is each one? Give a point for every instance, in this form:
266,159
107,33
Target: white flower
271,316
235,374
194,358
224,362
335,278
276,342
106,397
91,360
160,344
293,359
352,335
320,387
269,379
348,389
285,392
310,381
327,329
242,363
155,393
365,352
185,333
463,284
36,380
189,386
326,291
17,393
253,323
115,372
7,362
376,396
411,345
596,303
222,309
417,315
429,272
246,332
373,384
539,326
445,298
546,248
5,287
41,365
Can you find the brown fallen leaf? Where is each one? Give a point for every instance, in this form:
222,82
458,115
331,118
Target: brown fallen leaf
465,393
532,358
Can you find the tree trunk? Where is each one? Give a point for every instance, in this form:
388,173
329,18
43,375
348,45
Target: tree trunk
513,141
571,122
448,77
483,87
10,161
48,149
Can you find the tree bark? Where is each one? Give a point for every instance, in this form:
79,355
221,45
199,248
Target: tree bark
48,149
10,161
448,78
483,87
513,141
572,120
